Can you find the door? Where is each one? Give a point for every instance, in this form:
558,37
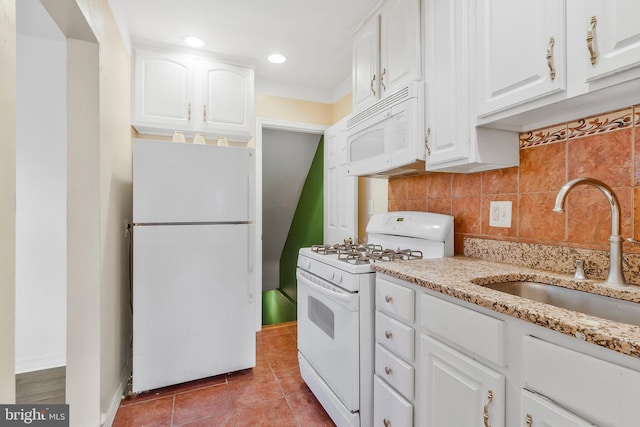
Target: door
328,335
175,182
538,411
400,55
448,49
227,107
192,315
340,189
163,89
616,37
455,390
513,44
366,49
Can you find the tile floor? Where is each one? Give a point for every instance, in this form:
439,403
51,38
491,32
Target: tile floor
271,395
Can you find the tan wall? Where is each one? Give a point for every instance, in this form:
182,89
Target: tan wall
7,198
603,147
342,108
294,110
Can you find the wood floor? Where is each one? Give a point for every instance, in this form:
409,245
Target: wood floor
46,386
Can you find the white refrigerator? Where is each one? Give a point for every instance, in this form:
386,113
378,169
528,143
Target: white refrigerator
193,298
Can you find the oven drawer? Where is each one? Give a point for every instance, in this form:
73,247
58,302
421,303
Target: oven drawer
395,335
394,371
389,408
399,301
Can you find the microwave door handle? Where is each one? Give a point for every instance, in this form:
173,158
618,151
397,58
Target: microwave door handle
331,294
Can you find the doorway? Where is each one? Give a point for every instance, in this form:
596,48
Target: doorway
289,158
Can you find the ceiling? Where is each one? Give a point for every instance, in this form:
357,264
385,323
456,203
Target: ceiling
314,35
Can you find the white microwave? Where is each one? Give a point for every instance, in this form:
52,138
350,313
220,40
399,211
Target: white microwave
388,138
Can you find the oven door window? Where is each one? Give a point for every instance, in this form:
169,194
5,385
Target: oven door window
321,316
328,337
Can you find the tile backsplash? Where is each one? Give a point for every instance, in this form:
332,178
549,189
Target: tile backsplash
602,147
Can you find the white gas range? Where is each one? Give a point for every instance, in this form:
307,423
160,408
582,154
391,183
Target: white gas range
336,307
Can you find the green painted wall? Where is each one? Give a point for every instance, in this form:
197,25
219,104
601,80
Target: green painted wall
307,224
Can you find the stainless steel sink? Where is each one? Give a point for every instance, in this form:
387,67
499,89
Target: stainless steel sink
571,299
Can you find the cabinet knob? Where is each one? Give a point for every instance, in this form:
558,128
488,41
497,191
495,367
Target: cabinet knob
386,422
387,370
388,334
388,298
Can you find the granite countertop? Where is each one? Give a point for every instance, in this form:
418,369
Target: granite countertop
462,277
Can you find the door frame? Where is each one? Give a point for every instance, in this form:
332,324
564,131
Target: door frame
290,126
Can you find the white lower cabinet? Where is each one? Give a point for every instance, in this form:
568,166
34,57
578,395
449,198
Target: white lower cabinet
538,411
456,390
390,409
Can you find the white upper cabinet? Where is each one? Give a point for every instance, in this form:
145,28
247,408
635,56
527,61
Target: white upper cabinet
174,91
454,142
227,108
611,32
386,52
366,49
163,89
521,52
549,61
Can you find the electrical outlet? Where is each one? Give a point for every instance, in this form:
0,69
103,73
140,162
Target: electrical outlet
500,214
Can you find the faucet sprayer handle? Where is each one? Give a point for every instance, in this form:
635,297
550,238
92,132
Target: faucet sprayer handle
630,240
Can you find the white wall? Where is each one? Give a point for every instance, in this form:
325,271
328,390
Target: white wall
286,158
41,229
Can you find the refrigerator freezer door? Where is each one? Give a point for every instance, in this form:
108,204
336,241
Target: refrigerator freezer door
192,310
180,183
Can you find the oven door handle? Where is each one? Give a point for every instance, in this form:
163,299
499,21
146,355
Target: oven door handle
343,297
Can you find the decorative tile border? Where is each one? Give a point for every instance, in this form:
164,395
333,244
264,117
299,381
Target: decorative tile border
602,123
543,136
594,125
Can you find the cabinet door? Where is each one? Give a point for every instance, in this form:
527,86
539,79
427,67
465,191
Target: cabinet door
537,411
366,47
616,36
227,108
389,408
515,52
162,90
447,73
340,189
400,55
455,390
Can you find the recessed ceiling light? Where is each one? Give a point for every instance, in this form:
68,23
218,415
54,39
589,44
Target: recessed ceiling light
193,41
276,58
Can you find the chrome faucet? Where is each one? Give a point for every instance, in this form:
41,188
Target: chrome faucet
615,276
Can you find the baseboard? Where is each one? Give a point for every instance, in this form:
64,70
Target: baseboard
41,363
106,419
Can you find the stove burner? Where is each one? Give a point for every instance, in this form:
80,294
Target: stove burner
364,253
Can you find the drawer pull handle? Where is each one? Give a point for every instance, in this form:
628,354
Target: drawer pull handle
485,412
388,334
387,370
386,422
590,44
388,298
373,80
528,420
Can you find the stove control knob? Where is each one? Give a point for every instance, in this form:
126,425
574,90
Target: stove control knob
338,278
307,264
331,274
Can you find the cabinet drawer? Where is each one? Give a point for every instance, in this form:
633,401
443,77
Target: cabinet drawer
596,388
395,335
396,300
390,409
473,331
394,371
539,412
